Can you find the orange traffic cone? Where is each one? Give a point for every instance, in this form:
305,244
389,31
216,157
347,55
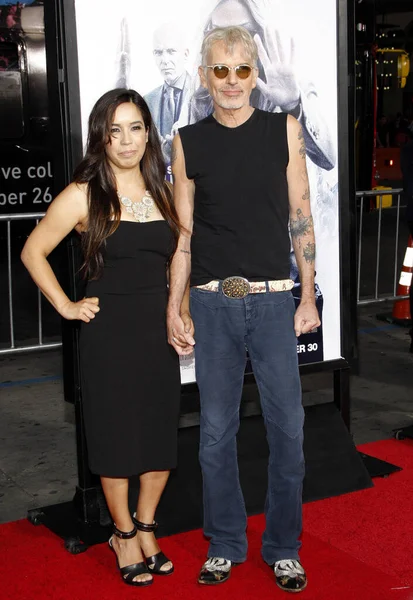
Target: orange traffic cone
401,308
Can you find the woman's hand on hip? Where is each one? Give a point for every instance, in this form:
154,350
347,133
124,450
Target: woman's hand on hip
84,310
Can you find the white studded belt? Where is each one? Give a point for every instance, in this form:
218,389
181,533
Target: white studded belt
239,287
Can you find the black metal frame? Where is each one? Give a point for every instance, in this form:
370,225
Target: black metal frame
347,193
54,83
70,105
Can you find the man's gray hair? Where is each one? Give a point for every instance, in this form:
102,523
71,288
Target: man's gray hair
230,36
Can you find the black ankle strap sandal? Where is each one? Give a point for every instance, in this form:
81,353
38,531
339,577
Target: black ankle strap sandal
144,526
124,535
158,560
129,572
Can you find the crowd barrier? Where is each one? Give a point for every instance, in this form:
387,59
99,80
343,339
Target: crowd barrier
12,346
364,203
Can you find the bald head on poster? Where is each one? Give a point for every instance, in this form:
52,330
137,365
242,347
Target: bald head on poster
170,51
169,103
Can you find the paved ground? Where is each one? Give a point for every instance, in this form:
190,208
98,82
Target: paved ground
37,431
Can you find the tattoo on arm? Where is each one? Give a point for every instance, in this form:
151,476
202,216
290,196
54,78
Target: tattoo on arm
306,195
301,225
184,251
302,143
309,253
174,154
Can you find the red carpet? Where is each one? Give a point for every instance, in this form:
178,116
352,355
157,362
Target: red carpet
355,547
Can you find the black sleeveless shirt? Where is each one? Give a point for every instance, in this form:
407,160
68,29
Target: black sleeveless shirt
241,208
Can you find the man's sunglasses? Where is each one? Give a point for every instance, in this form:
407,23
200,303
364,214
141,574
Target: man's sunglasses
222,71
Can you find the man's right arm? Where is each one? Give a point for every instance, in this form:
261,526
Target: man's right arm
184,191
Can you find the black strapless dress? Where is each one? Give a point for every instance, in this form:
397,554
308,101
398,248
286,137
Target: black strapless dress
130,374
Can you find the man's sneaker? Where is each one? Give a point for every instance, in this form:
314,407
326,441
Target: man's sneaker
290,575
215,570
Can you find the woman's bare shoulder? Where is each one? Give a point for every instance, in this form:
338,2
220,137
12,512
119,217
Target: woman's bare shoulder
72,200
78,190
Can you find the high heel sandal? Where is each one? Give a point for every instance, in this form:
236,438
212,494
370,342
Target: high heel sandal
158,560
129,572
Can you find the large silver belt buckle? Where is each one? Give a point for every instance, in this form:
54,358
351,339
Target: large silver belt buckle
236,287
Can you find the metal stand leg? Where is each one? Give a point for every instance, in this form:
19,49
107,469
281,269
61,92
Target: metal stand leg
375,466
341,378
85,520
404,432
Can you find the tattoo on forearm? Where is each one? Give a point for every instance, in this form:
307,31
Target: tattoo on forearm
174,154
309,253
306,195
301,225
184,251
302,143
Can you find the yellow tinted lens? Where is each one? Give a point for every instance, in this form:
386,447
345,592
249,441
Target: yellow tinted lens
243,71
221,71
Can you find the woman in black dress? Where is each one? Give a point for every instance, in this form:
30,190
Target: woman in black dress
122,207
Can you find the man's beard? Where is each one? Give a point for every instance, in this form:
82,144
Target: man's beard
230,103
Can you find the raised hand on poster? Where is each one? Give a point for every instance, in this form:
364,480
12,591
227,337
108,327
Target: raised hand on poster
166,141
169,137
281,87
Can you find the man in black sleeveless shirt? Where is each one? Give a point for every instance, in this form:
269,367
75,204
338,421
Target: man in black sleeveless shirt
240,181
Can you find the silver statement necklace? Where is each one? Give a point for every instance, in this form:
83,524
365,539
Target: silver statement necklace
141,210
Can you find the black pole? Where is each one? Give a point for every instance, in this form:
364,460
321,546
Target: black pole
341,379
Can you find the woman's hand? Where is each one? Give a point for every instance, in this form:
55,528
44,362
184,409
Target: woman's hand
181,333
84,310
188,323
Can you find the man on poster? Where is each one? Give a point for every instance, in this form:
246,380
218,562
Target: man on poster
240,179
171,100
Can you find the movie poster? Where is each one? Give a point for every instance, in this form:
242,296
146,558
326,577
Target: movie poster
154,48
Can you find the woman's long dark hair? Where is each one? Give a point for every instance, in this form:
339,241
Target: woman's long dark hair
94,170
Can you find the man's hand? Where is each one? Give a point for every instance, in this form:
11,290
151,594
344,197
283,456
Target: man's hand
281,87
181,333
188,325
306,317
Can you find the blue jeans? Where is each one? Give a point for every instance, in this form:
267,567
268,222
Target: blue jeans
224,329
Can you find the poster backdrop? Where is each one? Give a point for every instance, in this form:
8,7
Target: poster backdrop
154,48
